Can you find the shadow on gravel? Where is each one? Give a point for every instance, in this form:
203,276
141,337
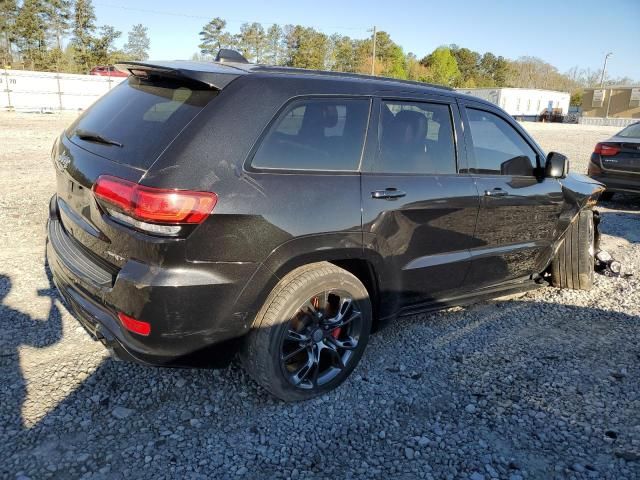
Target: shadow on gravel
17,329
551,391
621,217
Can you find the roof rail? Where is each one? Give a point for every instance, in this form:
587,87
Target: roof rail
332,73
227,55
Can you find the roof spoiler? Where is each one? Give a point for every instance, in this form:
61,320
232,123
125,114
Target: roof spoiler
212,75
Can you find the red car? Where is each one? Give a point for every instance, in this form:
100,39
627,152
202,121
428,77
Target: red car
108,71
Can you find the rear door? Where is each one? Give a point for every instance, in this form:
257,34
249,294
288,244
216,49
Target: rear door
519,210
419,212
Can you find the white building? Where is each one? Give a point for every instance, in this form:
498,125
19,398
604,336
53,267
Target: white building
523,103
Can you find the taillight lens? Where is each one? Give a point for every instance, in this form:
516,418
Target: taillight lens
155,205
134,325
606,150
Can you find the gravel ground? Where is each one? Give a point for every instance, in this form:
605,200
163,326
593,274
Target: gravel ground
544,386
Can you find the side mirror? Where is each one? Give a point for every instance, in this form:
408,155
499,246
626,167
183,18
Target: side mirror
557,165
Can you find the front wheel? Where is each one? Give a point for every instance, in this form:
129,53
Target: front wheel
310,334
572,266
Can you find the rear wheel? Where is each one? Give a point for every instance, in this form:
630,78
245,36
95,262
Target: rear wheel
572,266
310,334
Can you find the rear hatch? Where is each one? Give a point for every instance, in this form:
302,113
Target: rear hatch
621,154
121,136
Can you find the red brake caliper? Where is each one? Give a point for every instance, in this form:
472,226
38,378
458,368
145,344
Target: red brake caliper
336,331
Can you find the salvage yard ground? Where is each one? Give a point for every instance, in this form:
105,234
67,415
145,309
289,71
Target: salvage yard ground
544,386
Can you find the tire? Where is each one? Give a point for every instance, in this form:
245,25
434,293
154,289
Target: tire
572,266
606,196
316,297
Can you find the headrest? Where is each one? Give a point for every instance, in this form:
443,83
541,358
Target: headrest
414,123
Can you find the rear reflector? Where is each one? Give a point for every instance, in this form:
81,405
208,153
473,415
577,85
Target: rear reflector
135,326
155,205
606,150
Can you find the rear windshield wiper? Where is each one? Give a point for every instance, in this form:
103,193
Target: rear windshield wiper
90,136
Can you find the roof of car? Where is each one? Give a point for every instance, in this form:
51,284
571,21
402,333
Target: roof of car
219,74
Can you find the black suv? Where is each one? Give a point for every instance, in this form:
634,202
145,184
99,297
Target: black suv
206,209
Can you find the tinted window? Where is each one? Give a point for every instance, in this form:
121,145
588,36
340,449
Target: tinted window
316,134
143,116
498,148
416,138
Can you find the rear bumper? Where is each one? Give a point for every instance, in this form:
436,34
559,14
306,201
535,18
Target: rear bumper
191,307
629,183
615,181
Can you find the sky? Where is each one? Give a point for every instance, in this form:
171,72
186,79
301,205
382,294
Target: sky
564,33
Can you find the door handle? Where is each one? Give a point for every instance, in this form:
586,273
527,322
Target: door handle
388,194
496,192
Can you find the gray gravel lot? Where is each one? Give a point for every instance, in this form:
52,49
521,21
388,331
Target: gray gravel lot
544,386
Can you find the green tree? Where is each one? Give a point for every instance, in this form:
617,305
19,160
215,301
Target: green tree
8,15
442,67
468,64
138,43
252,41
30,30
305,47
273,45
344,54
390,59
103,51
58,16
83,29
213,37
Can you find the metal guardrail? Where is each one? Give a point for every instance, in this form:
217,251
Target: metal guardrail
607,122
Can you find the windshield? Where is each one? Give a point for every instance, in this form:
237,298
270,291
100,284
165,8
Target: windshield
632,131
138,119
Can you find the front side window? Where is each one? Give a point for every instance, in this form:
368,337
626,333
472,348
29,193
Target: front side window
416,137
498,148
316,134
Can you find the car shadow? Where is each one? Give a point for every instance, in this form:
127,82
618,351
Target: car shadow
129,421
17,330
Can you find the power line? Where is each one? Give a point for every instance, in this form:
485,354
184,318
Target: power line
231,20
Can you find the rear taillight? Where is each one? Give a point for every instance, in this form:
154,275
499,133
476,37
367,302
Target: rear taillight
150,208
606,150
134,325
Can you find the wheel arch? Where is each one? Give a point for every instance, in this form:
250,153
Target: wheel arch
342,250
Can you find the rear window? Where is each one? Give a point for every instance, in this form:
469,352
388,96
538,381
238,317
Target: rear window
144,116
632,131
316,134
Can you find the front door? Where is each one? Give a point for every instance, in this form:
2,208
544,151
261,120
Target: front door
419,213
519,209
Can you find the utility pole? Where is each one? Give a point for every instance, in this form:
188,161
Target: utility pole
373,54
604,68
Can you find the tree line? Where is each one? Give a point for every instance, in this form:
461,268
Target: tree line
62,35
450,65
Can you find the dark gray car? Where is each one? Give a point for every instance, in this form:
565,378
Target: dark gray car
616,162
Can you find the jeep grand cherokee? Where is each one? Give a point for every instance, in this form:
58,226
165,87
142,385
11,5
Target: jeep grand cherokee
209,209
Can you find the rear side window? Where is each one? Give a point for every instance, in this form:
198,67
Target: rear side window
142,115
316,134
498,148
416,137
